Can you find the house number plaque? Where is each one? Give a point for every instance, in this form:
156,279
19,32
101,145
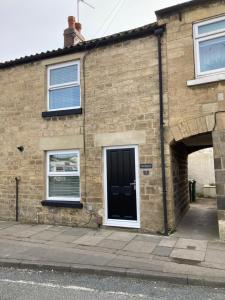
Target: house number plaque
146,166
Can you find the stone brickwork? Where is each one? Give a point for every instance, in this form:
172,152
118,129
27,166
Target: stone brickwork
191,109
120,102
123,97
180,181
219,164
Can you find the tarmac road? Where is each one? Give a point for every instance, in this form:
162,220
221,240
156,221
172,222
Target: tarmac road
44,285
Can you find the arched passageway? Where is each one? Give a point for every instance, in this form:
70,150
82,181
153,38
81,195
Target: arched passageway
198,219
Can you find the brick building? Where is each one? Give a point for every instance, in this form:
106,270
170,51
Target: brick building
100,130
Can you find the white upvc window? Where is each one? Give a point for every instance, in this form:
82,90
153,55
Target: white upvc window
209,46
64,86
63,175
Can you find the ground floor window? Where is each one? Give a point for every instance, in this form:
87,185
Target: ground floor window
63,175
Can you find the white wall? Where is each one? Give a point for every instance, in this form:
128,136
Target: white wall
201,168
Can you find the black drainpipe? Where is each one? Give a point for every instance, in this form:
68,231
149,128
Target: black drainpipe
17,199
159,33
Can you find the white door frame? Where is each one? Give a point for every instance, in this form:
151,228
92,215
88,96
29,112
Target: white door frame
114,222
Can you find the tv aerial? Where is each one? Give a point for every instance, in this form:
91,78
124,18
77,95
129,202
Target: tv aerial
78,7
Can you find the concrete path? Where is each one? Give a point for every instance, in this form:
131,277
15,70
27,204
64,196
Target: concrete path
112,252
201,221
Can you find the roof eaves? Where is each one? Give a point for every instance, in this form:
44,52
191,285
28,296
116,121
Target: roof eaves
84,46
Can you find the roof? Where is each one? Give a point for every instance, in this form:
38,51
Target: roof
86,45
176,8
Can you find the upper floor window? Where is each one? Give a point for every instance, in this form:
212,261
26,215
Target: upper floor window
64,86
209,39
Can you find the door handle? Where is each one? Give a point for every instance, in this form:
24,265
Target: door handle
133,184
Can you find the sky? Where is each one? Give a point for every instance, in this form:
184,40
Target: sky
32,26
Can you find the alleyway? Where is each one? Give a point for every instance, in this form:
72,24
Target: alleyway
200,222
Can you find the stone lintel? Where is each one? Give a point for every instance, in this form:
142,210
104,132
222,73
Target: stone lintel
132,137
61,142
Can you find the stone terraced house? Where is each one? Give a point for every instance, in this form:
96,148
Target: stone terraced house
98,132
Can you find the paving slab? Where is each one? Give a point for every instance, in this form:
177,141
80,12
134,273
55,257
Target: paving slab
89,240
215,256
97,260
167,242
191,244
188,255
131,264
140,246
122,236
99,233
14,229
147,238
94,249
162,251
5,224
44,254
65,238
112,244
76,231
216,245
46,235
58,228
28,231
133,254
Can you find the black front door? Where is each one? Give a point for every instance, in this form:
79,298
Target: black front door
121,184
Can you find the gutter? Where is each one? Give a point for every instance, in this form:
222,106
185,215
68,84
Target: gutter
159,33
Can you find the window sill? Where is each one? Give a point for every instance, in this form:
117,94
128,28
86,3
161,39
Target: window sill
206,79
62,203
59,113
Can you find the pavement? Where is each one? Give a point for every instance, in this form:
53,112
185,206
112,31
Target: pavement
113,252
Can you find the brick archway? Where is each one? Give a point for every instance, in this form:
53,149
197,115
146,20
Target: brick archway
177,135
189,128
178,138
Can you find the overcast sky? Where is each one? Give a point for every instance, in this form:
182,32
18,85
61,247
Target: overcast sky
32,26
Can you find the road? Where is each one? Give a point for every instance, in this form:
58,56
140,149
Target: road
45,285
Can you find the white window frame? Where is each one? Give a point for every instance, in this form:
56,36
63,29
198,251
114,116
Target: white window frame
49,174
64,85
204,37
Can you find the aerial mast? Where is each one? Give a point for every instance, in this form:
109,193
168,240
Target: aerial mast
78,8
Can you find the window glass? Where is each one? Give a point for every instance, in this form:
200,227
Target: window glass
207,28
64,162
212,54
64,186
64,97
64,75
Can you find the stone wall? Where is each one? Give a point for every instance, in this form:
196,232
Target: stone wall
191,109
219,163
180,181
201,168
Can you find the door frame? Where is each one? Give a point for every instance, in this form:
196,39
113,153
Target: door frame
114,222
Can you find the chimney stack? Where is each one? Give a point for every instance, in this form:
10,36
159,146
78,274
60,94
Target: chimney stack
72,34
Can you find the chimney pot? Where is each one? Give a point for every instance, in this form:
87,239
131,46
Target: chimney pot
78,26
72,34
71,21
